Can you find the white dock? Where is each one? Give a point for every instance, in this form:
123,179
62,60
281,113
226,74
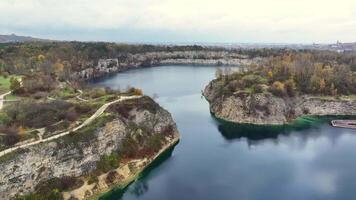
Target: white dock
344,123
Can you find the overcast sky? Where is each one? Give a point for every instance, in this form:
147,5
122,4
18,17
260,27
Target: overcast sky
267,21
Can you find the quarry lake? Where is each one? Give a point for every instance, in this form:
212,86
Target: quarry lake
217,160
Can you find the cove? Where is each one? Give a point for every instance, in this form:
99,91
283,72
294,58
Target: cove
219,160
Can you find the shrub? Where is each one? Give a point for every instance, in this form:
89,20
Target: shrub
108,162
257,88
38,82
110,178
98,92
40,95
92,179
252,79
11,135
61,184
278,88
52,189
14,84
290,87
138,92
155,142
129,147
37,115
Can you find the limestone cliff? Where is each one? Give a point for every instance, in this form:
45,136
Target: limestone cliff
76,154
265,108
129,61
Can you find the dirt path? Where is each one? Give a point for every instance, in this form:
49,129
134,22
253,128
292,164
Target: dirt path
86,122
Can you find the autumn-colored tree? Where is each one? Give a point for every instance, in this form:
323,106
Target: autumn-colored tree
138,92
278,88
290,87
41,58
21,131
58,67
270,74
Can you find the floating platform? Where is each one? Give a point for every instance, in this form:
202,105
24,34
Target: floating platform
344,123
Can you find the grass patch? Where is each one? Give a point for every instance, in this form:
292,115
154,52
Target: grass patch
64,93
105,99
12,97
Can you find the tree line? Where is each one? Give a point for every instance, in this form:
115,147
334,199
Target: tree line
294,73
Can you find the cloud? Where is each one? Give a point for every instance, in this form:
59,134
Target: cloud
184,20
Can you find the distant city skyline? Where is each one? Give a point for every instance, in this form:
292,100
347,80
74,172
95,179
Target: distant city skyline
182,21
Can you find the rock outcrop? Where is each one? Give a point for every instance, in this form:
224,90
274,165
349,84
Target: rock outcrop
267,109
76,154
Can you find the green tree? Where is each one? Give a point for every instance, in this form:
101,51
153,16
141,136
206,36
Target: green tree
15,84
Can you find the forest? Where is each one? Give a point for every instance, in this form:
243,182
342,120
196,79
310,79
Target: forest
294,73
63,58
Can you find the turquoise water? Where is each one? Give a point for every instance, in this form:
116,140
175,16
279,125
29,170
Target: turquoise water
215,160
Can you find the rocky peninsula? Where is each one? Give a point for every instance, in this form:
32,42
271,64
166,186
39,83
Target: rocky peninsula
281,89
268,109
111,150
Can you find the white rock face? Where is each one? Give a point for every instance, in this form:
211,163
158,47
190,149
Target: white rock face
23,170
268,109
108,66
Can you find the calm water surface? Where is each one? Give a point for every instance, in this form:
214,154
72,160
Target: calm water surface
219,161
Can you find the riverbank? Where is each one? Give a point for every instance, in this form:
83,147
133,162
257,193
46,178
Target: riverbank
125,176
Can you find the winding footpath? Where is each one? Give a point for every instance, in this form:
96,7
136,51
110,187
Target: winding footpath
86,122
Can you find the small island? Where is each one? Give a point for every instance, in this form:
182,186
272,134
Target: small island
283,88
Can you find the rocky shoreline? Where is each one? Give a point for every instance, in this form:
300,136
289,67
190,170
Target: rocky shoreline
76,155
125,178
267,109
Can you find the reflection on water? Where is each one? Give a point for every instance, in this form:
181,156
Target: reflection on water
232,131
219,160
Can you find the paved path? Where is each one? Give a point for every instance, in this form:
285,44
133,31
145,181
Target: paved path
2,99
86,122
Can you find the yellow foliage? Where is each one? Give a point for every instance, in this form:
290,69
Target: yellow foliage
20,130
138,92
41,58
278,85
58,67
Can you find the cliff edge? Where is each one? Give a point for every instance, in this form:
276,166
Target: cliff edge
95,155
267,109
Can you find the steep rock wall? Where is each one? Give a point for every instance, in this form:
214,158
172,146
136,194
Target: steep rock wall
76,155
265,108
